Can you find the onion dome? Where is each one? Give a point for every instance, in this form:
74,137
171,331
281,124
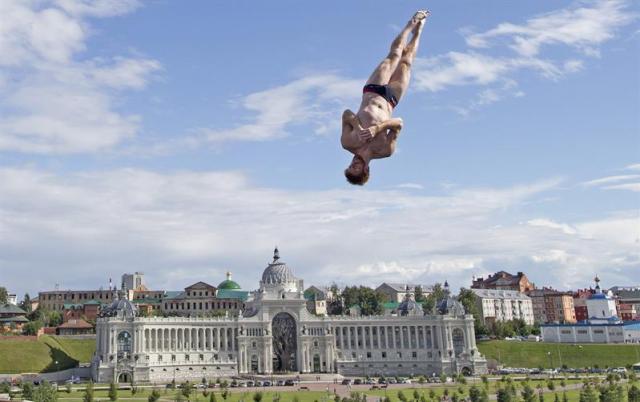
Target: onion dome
277,272
122,308
228,284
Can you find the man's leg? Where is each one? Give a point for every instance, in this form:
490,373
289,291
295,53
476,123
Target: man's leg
399,81
385,69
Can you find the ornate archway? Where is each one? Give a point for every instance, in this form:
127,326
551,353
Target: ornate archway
285,343
125,378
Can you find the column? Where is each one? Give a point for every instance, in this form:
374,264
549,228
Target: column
349,337
378,336
218,338
393,337
402,337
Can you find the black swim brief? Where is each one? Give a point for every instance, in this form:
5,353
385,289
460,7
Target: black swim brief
382,90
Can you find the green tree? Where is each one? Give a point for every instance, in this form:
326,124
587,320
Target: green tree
418,295
504,395
212,397
113,392
416,395
430,301
484,395
88,393
27,390
402,396
25,304
45,392
154,396
53,318
587,394
633,394
474,394
468,300
432,394
4,296
31,328
528,394
187,389
551,385
565,397
257,397
485,380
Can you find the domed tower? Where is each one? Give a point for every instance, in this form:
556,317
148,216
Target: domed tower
278,280
229,284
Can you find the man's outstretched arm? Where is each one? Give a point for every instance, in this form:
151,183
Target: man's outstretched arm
391,125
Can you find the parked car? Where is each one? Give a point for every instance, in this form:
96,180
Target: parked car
346,381
289,383
259,383
251,384
357,381
267,384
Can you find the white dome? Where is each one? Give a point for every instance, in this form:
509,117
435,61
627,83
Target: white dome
277,272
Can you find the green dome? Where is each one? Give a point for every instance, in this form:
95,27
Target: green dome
228,284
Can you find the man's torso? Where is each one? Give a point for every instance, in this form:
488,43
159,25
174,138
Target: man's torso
374,109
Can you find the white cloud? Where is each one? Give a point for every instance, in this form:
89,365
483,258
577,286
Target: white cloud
315,100
583,28
53,101
413,186
547,223
179,227
610,179
635,166
626,186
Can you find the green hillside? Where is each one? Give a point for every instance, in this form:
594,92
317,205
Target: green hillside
536,354
18,356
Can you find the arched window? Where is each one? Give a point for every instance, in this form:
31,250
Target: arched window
124,342
458,341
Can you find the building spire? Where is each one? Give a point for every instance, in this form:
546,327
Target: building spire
276,255
228,275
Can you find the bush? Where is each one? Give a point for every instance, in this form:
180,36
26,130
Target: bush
88,393
45,392
113,392
27,390
154,396
257,397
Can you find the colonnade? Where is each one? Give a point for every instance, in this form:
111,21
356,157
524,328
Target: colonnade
186,339
367,337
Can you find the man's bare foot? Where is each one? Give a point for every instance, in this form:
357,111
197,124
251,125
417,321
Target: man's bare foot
420,15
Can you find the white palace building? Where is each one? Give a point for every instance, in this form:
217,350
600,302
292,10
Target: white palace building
277,334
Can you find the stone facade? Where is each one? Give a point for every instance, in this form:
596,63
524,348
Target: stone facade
275,333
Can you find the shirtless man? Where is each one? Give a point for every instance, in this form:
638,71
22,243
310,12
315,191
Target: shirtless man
372,132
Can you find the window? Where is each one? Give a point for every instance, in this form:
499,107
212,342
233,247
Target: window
368,355
159,358
384,355
414,355
186,357
201,357
173,358
400,354
353,355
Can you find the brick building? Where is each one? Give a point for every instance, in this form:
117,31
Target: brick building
503,280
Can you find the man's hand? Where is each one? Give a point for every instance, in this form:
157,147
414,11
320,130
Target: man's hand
368,133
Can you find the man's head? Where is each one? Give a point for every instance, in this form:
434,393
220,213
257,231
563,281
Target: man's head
358,171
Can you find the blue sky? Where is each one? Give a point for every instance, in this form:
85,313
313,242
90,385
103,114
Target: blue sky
187,140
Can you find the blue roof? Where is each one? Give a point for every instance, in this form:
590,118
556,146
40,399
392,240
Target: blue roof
599,296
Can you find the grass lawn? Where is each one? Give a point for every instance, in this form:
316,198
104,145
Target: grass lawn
18,356
304,396
535,354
